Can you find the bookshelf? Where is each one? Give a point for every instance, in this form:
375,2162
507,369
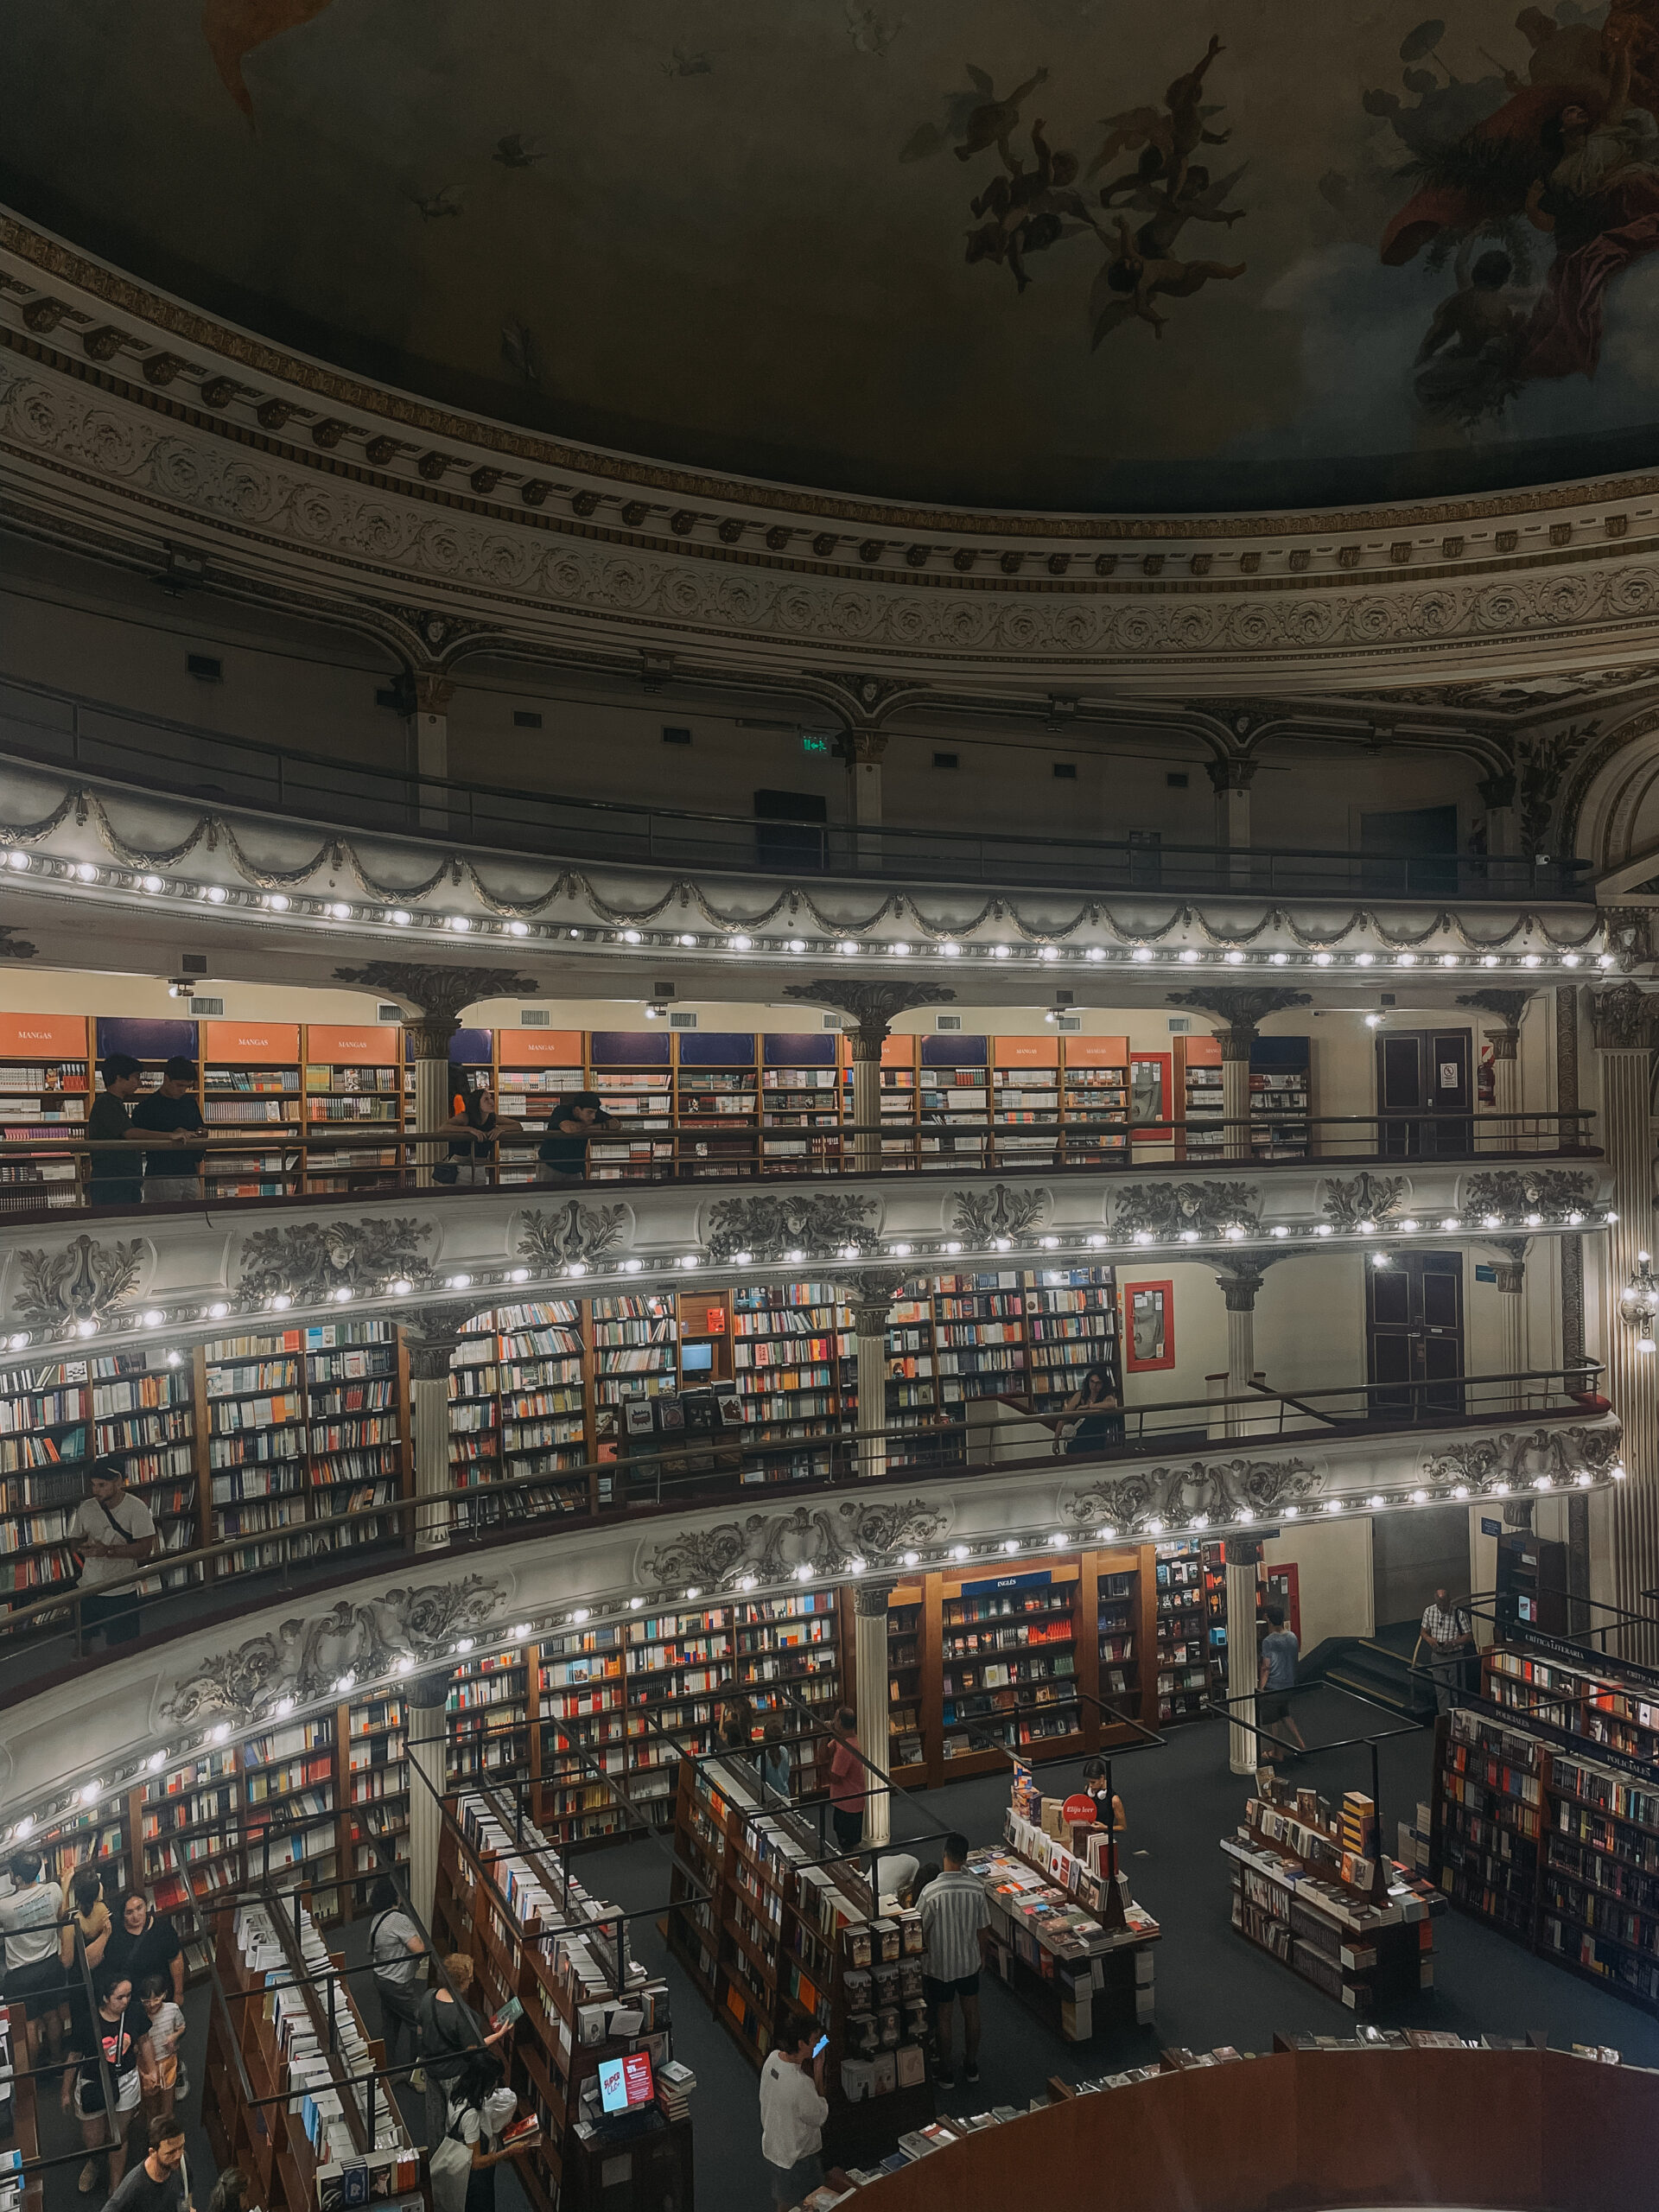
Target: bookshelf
635,1347
716,1102
792,1356
1545,1817
1071,1324
353,1082
800,1112
507,1898
251,1079
46,1080
1199,1081
291,1798
44,1431
488,1723
519,1407
190,1832
954,1101
632,1074
1095,1087
1281,1097
1025,1090
358,1457
376,1791
596,1684
1118,1635
144,1415
907,1746
290,2029
1008,1644
1183,1634
533,1069
780,1944
979,1336
254,1396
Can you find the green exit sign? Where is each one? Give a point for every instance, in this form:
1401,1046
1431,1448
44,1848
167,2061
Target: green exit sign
812,741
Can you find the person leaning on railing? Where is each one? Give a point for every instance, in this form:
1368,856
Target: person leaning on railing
473,1134
563,1153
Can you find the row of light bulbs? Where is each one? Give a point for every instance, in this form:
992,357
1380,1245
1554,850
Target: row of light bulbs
153,1317
302,907
91,1793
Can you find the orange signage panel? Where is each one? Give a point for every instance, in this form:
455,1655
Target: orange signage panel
897,1051
1026,1052
540,1048
265,1044
1203,1051
370,1045
43,1036
1098,1052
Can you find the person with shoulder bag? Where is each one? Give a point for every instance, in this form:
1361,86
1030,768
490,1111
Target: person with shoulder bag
395,1952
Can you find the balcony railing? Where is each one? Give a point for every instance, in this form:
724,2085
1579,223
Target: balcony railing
49,1175
61,728
989,1440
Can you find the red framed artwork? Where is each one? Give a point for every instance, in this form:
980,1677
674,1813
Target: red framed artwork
1148,1326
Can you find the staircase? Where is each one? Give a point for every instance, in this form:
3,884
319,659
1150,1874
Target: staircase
1359,1663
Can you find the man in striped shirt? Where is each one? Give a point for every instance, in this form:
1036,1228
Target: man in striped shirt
955,1938
1450,1640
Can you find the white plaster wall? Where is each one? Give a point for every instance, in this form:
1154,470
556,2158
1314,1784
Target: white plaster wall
1334,1583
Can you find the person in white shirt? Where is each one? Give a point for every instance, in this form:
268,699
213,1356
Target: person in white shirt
113,1532
793,2109
29,1917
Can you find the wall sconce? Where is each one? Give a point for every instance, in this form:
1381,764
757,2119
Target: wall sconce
1639,1303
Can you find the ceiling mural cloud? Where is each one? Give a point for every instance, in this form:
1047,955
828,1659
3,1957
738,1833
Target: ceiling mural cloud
1083,254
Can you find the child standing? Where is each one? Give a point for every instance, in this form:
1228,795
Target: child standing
166,2033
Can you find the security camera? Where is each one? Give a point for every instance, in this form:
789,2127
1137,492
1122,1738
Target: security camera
182,987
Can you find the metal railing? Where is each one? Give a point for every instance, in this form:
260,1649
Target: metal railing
47,1174
730,1466
66,730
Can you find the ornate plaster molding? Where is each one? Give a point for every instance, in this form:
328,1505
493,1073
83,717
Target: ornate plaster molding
1364,1198
85,1281
873,1007
1624,1018
1241,1012
1553,1193
313,1259
829,1540
315,1653
438,993
1163,1211
999,1213
1522,1458
575,1231
1144,1503
771,1224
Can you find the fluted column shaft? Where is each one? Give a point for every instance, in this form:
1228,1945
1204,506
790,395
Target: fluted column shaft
1242,1661
870,1698
1623,1038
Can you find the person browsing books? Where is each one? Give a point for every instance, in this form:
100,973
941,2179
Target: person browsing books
777,1760
793,2109
481,2110
173,1173
113,1532
154,2184
29,1914
955,1937
395,1952
450,2032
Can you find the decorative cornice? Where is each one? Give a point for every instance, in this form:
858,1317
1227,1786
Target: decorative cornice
771,1224
1143,1505
1165,1210
874,1007
439,995
85,1280
315,1260
1366,1198
1243,1011
826,1540
1506,1009
1553,1193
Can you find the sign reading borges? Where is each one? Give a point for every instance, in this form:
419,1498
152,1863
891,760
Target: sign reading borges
1149,1337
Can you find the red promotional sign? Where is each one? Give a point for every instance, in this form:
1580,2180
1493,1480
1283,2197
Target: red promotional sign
1078,1812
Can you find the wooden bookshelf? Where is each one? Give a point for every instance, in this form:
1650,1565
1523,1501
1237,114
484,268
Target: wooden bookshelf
299,2041
957,1665
1183,1617
46,1081
1544,1819
353,1081
508,1899
778,1944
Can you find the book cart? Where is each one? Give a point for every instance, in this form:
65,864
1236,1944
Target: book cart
1072,1942
534,1934
1311,1889
1544,1819
288,2090
777,1942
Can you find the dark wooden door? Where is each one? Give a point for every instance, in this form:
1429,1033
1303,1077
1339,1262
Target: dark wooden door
1414,1329
1422,1072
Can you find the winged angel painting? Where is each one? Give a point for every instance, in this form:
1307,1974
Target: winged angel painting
1135,218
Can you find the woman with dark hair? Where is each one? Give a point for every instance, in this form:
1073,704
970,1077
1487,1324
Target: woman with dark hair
474,1132
570,1121
232,2191
1108,1806
1095,1416
395,1953
479,2109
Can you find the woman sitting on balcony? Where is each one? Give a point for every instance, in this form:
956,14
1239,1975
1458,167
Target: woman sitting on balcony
1094,1416
474,1132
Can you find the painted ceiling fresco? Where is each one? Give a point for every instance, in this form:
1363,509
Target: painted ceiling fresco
1135,254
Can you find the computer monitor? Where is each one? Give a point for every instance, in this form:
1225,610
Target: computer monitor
696,1359
625,2083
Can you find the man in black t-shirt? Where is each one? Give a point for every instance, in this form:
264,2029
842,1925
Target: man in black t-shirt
143,1942
173,1172
156,2183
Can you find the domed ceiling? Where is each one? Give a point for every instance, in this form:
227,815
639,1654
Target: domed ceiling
1134,254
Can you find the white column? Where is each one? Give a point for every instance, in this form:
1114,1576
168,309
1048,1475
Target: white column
432,1102
870,1302
1231,781
862,749
1242,1664
867,1101
1236,1094
428,1399
424,1703
428,727
871,1702
1624,1030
